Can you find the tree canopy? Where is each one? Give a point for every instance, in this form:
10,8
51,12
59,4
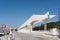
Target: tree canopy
49,26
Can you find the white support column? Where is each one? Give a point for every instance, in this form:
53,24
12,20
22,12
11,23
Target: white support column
45,26
31,26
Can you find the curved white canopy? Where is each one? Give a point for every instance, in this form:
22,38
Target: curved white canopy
36,19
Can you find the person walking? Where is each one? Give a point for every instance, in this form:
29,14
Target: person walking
11,35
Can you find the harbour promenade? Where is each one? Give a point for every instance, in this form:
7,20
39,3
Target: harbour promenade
29,36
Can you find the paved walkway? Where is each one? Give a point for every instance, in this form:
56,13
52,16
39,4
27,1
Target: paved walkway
29,36
32,36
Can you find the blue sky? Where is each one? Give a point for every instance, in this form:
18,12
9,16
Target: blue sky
14,13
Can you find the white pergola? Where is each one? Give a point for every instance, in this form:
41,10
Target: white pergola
34,19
